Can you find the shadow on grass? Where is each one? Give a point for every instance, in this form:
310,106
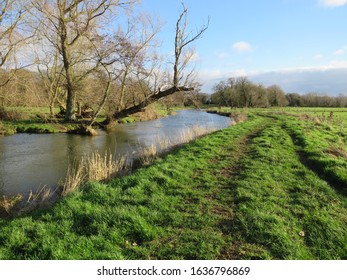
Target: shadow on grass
320,168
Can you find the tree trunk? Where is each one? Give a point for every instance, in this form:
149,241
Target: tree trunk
152,98
70,109
65,53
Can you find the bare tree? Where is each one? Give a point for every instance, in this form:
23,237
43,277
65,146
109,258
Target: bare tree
183,39
134,53
11,16
52,75
70,26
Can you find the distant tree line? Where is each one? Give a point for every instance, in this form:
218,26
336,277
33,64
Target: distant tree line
316,100
241,92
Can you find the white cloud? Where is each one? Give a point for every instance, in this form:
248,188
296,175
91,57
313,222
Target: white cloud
329,78
341,51
242,47
317,56
328,81
333,3
338,64
332,65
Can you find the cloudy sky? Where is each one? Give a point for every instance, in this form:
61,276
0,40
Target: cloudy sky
300,45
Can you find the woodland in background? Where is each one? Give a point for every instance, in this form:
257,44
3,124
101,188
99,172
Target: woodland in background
29,89
241,92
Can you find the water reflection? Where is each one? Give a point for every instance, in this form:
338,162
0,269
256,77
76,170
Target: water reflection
30,161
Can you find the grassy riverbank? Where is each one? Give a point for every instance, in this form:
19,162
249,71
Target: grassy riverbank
273,187
38,120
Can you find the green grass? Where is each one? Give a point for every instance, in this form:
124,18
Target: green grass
33,120
37,120
251,191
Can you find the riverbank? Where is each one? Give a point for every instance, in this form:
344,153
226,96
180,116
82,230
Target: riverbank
37,120
273,187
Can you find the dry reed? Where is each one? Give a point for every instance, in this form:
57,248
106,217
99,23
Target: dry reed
94,167
192,133
238,117
146,155
20,204
164,143
99,168
9,205
75,177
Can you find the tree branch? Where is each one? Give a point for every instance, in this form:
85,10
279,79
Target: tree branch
150,99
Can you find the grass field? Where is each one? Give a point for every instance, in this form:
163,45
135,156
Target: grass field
273,187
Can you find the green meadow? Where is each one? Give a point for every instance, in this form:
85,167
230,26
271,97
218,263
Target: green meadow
272,187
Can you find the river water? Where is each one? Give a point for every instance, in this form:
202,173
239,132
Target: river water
30,161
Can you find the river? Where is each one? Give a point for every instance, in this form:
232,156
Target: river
31,161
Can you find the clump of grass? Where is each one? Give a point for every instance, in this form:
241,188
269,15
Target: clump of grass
94,167
199,131
192,133
238,117
9,205
147,154
336,151
21,204
75,177
10,115
163,142
100,168
35,128
42,197
186,136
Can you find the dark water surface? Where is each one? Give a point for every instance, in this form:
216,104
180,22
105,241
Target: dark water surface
30,161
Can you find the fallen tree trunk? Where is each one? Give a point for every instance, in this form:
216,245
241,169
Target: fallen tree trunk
150,99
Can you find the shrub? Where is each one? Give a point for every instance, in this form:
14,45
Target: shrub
238,117
10,115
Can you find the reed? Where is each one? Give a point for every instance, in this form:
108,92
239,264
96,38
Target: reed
20,204
75,177
238,117
93,167
147,154
42,197
100,168
192,133
164,143
9,205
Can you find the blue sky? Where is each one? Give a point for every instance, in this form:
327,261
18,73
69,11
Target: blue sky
300,45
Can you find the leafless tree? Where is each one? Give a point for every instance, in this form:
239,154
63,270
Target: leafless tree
11,17
183,55
53,78
135,49
70,26
183,38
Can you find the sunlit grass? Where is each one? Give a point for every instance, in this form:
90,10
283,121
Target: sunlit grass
267,188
